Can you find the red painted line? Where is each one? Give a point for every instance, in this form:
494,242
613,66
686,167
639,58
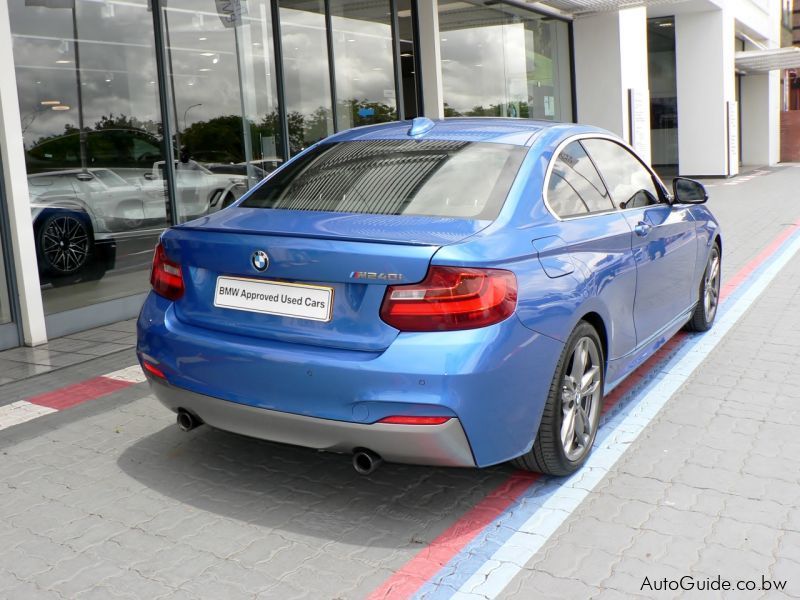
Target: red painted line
441,550
756,262
77,393
405,582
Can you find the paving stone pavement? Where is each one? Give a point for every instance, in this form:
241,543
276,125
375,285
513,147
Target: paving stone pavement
110,500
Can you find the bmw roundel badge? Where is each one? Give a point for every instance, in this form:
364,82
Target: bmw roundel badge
260,260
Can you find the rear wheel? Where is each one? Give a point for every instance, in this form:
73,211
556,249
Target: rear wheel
706,310
572,410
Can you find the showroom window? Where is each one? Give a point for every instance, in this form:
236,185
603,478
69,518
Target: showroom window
88,98
504,61
226,126
363,62
237,87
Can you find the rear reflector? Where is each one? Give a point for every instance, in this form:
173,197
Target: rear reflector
451,298
403,420
166,276
153,370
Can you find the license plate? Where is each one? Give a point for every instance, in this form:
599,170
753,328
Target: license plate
275,298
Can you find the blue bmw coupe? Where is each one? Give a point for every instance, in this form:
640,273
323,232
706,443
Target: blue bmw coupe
460,292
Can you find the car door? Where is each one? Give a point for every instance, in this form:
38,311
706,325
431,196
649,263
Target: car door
597,239
664,239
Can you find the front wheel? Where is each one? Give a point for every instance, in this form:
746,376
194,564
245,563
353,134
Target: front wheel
64,244
706,309
572,410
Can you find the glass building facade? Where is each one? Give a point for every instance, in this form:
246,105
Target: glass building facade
139,114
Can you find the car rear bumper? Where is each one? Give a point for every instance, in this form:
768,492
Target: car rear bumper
493,380
442,445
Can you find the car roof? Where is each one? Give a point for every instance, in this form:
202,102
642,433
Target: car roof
520,132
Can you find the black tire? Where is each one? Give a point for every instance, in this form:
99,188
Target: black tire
64,243
548,454
708,301
229,199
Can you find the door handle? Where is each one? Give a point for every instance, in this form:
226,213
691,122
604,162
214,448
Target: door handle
642,229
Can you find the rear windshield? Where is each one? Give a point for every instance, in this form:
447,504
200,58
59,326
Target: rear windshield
396,177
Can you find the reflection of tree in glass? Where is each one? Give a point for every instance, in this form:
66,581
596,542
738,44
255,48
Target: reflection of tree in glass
220,139
363,112
113,141
493,110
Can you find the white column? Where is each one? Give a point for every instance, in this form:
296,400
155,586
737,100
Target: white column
760,99
15,179
430,59
704,61
610,60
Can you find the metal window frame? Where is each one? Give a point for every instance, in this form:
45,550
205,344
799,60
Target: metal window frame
398,65
277,44
7,265
164,98
331,66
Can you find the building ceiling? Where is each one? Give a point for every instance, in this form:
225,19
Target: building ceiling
762,61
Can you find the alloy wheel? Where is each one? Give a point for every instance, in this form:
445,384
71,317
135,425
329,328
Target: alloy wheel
65,244
580,399
711,288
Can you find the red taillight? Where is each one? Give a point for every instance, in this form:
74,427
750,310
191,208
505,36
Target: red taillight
153,370
404,420
166,276
451,298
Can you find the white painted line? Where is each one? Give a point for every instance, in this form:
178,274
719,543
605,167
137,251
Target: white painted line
21,412
132,374
496,573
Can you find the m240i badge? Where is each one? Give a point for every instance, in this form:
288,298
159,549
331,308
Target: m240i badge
381,276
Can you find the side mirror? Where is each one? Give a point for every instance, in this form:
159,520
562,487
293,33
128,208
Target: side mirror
84,176
688,191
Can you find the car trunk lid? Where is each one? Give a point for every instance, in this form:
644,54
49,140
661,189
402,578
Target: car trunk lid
347,259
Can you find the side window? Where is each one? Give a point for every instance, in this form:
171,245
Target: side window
630,183
575,188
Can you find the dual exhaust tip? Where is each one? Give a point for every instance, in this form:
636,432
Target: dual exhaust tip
365,461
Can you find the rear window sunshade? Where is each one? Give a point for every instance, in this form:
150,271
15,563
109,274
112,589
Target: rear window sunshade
392,177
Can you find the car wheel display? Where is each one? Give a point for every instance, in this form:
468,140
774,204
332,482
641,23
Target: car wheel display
572,409
64,243
706,309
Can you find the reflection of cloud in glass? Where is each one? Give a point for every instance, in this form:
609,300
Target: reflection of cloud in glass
501,76
363,59
116,62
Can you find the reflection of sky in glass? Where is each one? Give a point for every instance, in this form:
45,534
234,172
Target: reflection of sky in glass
362,45
483,66
622,172
207,69
501,60
116,58
118,71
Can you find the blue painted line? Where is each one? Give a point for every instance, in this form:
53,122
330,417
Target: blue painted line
493,558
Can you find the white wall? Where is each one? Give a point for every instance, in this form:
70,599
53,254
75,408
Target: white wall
704,57
16,192
610,59
760,100
430,59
